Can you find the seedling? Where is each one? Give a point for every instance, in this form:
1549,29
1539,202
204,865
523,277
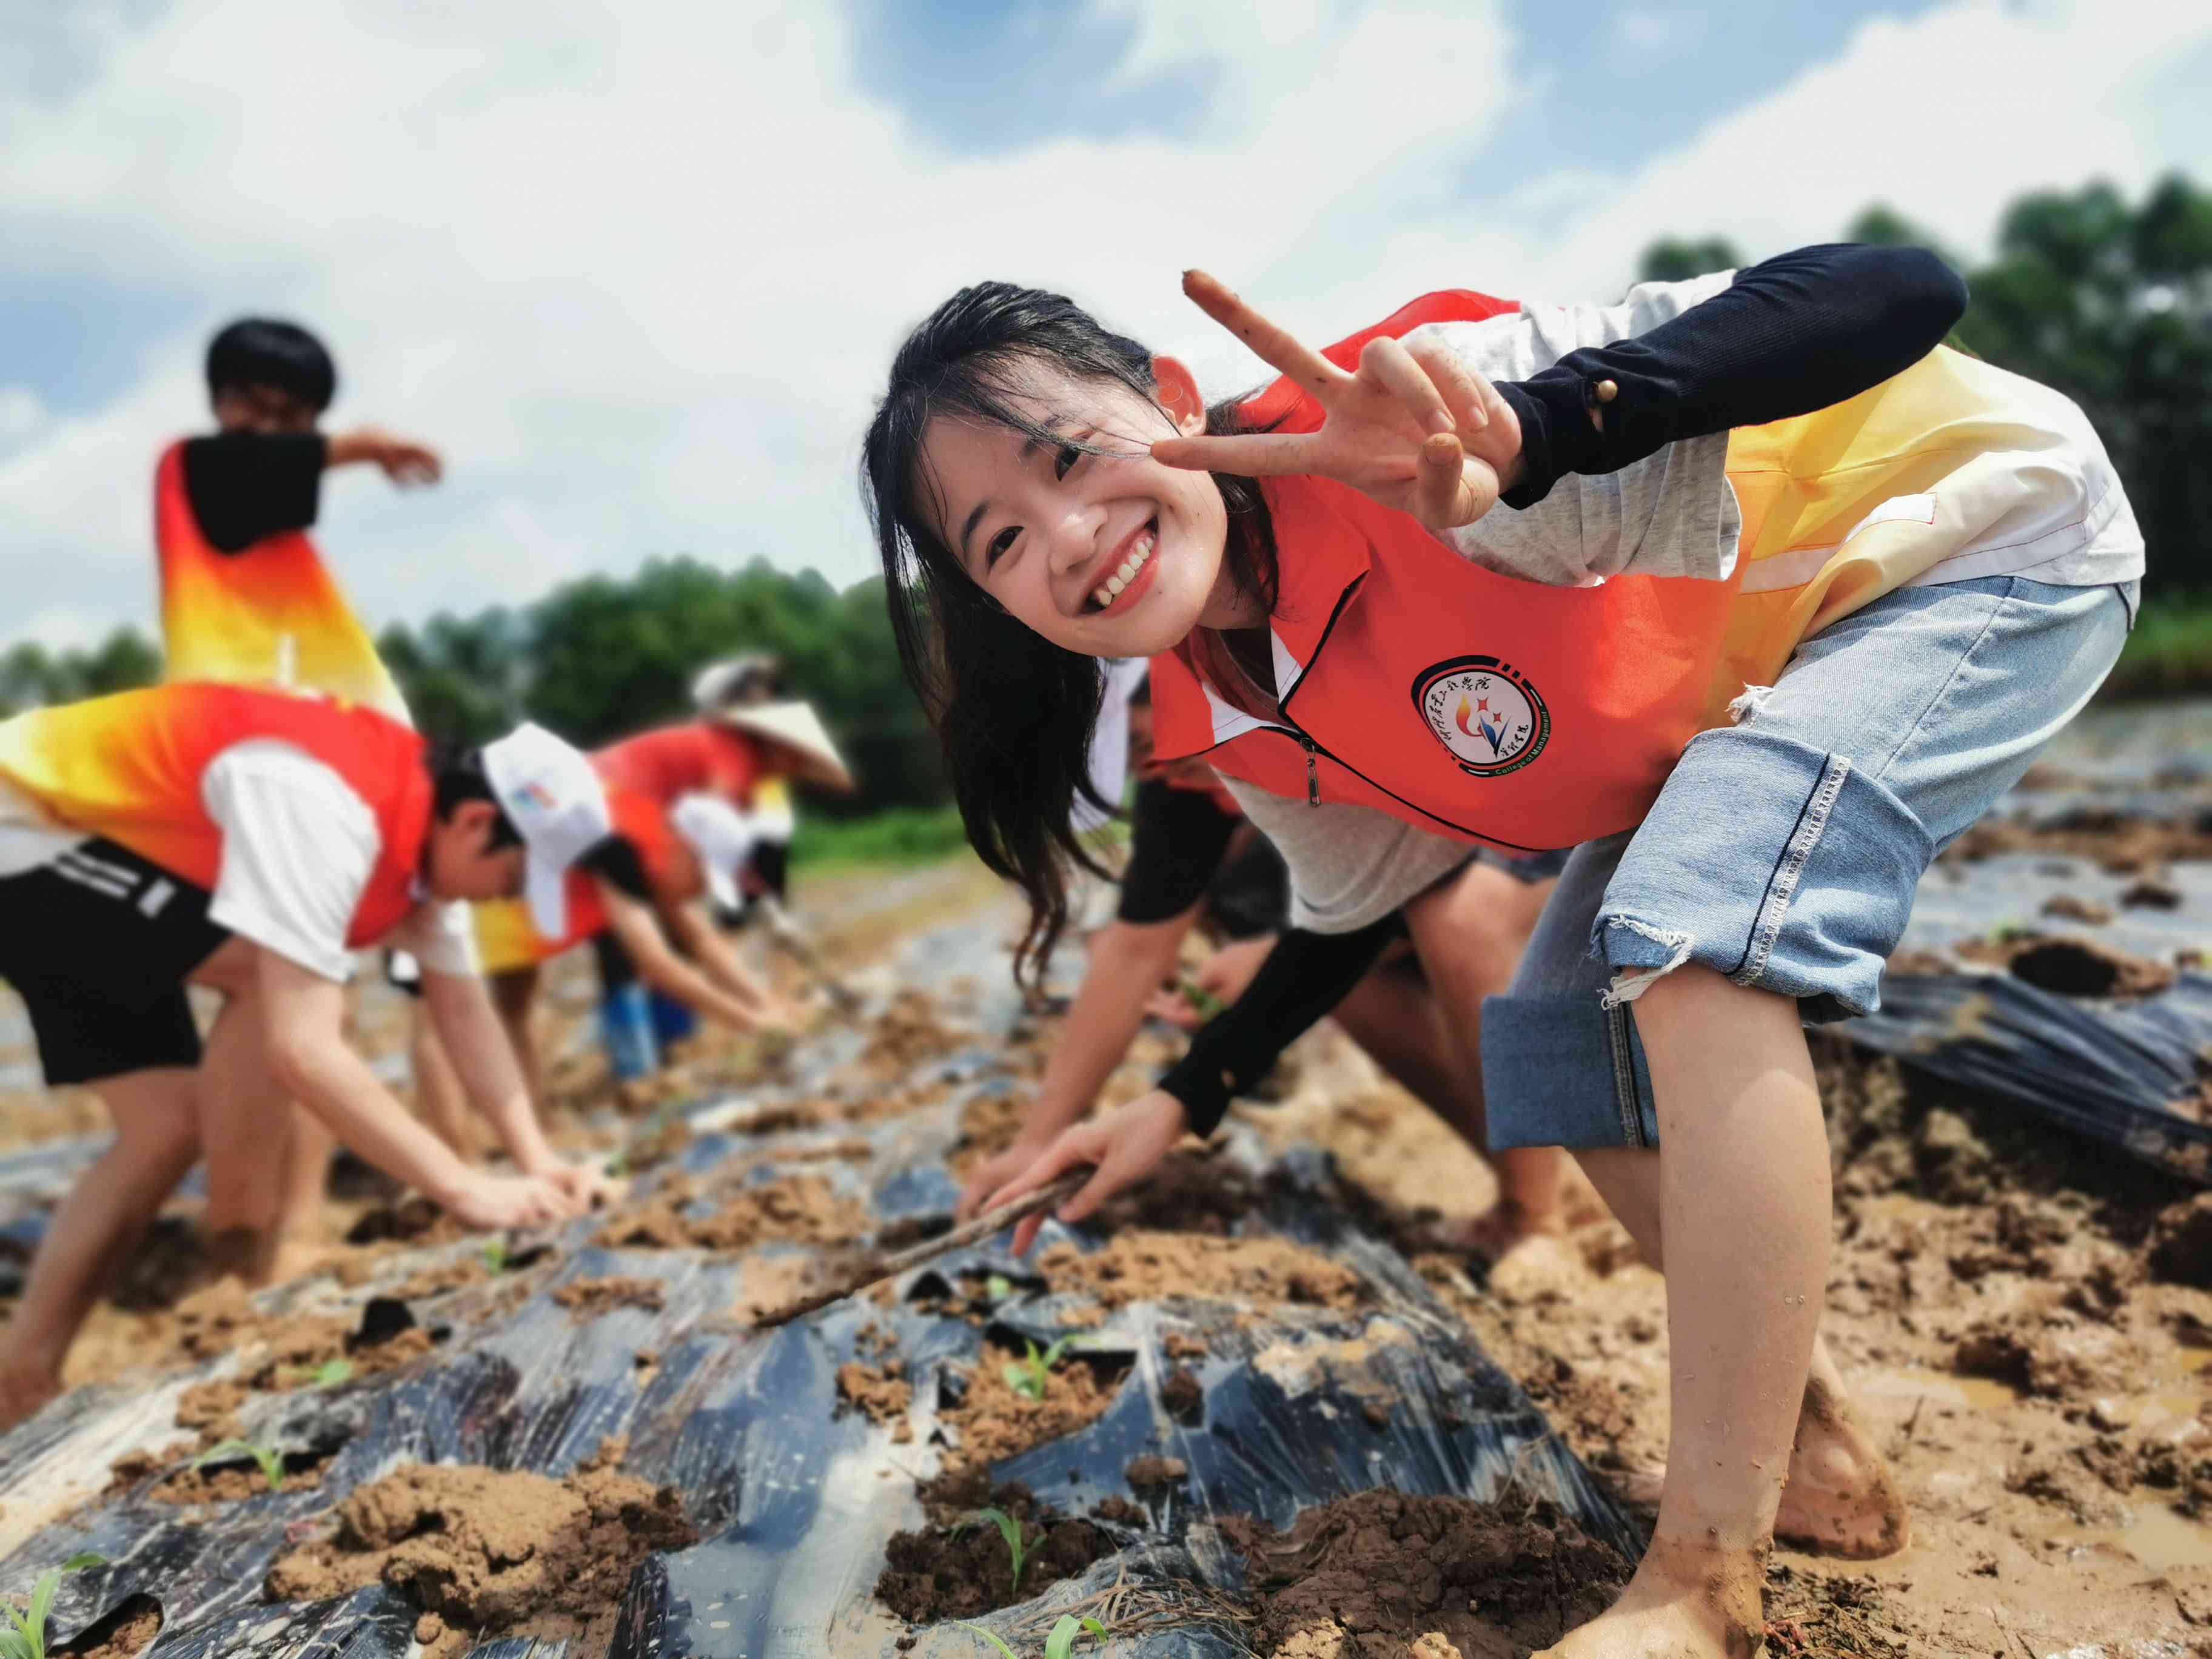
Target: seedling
495,1255
2007,932
1061,1644
328,1375
1026,1375
270,1460
28,1640
997,1287
1016,1551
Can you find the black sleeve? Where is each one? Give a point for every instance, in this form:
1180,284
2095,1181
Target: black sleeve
1798,332
1176,840
1304,976
615,861
246,485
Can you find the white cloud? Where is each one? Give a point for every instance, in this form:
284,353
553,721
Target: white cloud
22,413
638,271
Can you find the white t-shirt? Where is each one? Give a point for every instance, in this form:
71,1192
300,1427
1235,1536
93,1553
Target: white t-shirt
299,847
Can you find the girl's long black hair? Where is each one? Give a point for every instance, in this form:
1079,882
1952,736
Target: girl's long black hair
1013,712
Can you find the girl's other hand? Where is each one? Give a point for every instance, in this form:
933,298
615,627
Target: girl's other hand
1125,1145
1414,427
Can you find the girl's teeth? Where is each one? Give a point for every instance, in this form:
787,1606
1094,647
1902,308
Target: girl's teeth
1111,590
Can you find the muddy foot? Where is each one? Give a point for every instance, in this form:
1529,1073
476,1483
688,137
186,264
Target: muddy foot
1840,1498
1682,1604
23,1390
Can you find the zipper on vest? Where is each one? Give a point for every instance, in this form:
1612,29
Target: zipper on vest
1313,772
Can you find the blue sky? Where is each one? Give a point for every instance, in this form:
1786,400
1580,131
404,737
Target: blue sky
637,269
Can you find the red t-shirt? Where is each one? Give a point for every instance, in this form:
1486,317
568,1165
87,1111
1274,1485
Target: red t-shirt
672,761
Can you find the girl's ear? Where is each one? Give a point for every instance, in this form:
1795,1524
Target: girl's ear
1178,395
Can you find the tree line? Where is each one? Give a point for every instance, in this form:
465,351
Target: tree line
2108,302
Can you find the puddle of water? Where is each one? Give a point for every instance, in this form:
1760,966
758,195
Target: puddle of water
1906,1383
2157,1538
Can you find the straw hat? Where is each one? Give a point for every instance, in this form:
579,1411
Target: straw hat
797,727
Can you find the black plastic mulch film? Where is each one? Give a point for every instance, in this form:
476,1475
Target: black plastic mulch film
2109,1069
794,1502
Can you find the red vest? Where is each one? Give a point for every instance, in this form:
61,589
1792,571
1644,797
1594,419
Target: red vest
670,866
128,767
1467,703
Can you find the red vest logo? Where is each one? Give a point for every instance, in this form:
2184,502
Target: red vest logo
1488,718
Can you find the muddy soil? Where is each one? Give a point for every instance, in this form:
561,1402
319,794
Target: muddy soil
883,1395
2071,967
1376,1573
1145,1265
802,1209
483,1551
962,1568
2004,1303
124,1634
991,1420
587,1298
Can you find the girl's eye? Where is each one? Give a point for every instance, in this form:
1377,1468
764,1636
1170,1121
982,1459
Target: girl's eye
999,544
1064,463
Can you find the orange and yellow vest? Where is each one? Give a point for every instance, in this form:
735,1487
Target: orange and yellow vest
128,767
1532,717
268,615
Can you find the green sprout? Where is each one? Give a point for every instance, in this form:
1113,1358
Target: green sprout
328,1375
1026,1375
495,1255
990,1636
28,1640
270,1460
1202,1000
1016,1551
997,1287
1061,1642
1058,1645
2008,930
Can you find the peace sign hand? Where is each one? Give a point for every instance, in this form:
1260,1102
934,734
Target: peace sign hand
1415,427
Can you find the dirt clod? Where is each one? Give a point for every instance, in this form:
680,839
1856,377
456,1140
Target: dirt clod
593,1296
963,1570
490,1550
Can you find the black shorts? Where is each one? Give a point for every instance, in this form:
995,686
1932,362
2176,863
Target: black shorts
99,943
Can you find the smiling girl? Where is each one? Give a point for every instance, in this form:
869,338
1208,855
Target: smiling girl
1743,588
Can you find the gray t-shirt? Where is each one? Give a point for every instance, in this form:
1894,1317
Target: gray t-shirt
1669,514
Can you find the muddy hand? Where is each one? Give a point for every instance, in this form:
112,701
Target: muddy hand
1414,427
1124,1146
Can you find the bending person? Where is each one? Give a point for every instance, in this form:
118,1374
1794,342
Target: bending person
1189,842
1745,588
253,841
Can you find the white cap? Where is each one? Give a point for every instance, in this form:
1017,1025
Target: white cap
723,837
550,793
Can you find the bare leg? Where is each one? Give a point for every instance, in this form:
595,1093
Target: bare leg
515,993
1744,1209
1841,1499
249,1130
439,1098
1470,934
103,1216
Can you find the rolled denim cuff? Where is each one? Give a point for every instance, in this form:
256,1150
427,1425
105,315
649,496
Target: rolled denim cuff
1564,1072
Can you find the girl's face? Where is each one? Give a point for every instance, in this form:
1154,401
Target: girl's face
1109,555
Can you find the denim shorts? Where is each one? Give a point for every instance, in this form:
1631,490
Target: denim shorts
1785,849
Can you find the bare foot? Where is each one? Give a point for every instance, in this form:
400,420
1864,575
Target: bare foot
1840,1498
1494,1233
1682,1604
23,1389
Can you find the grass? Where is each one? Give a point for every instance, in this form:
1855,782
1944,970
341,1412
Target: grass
900,834
2168,655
